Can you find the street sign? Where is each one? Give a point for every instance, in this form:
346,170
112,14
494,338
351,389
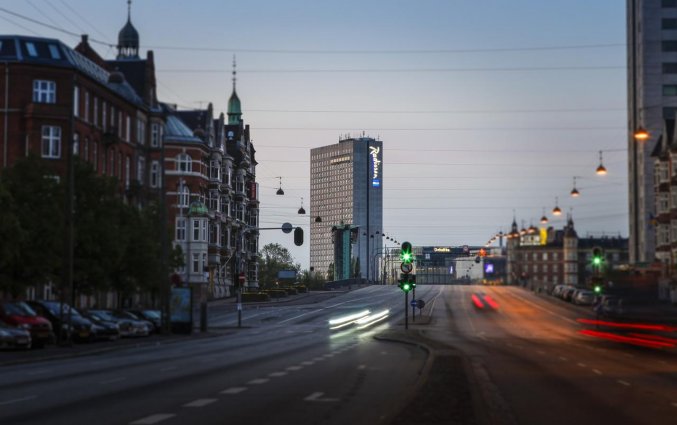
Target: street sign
413,303
406,267
240,278
420,304
287,227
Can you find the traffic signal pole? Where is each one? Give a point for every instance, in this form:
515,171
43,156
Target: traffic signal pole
406,310
413,309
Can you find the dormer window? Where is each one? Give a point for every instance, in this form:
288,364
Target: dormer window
54,52
32,51
184,163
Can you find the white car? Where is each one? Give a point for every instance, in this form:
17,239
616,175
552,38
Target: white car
584,297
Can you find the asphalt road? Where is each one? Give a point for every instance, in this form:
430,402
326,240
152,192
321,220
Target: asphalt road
285,366
532,366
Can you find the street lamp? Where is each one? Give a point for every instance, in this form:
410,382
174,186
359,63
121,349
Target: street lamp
556,211
302,210
601,170
280,191
574,192
641,134
544,218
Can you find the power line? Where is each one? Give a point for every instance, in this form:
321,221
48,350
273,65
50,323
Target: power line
476,111
82,18
548,151
449,129
389,70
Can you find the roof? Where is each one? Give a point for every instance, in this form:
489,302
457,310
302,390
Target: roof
52,52
177,130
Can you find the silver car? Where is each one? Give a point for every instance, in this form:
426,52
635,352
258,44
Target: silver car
12,337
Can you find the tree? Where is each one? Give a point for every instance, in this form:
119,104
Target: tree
330,272
274,257
312,280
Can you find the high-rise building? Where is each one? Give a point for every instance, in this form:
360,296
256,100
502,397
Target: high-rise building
346,188
652,97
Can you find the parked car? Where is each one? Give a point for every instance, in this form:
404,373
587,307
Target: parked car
568,292
103,329
123,314
13,337
127,327
584,297
612,306
19,314
81,329
153,316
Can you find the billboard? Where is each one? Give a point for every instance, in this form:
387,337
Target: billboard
180,306
286,274
375,158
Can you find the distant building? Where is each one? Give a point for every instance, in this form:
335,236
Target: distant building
542,258
346,188
652,97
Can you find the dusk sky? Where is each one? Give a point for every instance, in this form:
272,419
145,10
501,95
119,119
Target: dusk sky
484,107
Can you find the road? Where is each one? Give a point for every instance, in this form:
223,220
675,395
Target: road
522,363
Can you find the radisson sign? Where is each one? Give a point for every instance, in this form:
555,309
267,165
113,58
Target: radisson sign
374,152
441,249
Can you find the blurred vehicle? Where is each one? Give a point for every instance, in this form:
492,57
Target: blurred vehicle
127,327
557,290
19,314
153,316
612,306
103,329
568,292
13,337
80,329
584,297
124,314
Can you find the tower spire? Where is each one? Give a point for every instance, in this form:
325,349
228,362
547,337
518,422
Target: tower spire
129,10
234,72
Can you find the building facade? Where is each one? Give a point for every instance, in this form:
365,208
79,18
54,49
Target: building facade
346,188
652,97
542,258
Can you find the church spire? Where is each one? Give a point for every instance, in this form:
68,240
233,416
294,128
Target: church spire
234,105
128,38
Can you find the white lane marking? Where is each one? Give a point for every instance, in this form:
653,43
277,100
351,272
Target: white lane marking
362,367
597,371
277,374
167,369
674,404
200,402
541,352
153,419
258,381
110,381
313,311
37,372
581,364
329,355
318,359
317,396
234,390
295,368
622,382
308,363
18,400
563,358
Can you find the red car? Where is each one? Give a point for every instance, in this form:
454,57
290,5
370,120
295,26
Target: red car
19,314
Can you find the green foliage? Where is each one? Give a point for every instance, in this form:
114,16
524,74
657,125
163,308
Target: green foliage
330,272
312,280
255,297
274,257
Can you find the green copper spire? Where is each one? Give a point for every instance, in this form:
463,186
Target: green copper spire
234,106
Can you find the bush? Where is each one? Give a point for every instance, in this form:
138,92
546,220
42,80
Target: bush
291,291
255,297
276,293
301,289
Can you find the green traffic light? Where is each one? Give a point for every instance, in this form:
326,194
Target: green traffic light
405,254
598,289
406,287
597,261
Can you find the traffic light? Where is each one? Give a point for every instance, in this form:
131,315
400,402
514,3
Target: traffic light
406,254
407,282
597,289
597,257
298,236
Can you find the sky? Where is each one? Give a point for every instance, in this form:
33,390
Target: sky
486,108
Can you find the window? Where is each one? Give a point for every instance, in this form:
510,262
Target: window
215,170
205,265
225,206
204,230
155,135
141,132
104,116
86,106
196,230
54,51
31,49
128,128
51,141
184,196
44,91
669,45
76,101
96,111
127,171
95,154
140,169
180,229
76,144
196,263
669,90
669,23
154,173
184,163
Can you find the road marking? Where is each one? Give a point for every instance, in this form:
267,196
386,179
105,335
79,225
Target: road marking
295,368
167,369
258,381
318,397
308,363
18,400
563,358
153,419
318,359
277,374
597,371
620,381
581,364
329,355
110,381
234,390
200,402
